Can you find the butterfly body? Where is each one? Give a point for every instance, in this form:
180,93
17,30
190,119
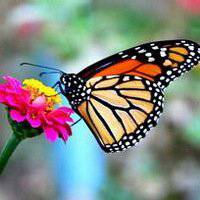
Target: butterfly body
121,97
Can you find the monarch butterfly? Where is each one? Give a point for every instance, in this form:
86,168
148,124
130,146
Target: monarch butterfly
121,97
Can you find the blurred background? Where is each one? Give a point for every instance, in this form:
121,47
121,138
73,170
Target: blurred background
71,34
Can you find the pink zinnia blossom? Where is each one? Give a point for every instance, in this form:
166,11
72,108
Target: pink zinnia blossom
29,103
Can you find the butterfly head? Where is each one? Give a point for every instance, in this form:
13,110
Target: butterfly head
65,79
71,81
73,88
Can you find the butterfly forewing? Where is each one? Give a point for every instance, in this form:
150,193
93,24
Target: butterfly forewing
160,61
121,109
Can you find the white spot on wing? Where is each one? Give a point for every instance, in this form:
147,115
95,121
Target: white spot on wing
155,47
124,56
142,51
151,59
148,54
163,54
133,57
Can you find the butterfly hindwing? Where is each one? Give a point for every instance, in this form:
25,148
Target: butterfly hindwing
160,61
121,109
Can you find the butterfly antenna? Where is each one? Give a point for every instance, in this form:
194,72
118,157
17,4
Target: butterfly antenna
44,73
41,66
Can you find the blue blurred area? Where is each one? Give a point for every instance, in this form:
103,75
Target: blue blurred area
79,165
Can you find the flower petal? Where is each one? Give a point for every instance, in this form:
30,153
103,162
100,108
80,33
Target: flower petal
12,81
66,110
50,133
39,101
46,120
59,116
17,116
64,131
34,122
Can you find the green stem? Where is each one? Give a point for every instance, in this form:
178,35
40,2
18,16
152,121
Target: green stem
7,151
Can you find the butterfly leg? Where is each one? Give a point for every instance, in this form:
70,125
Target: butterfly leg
76,122
56,84
60,87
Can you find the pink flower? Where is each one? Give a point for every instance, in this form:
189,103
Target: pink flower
33,103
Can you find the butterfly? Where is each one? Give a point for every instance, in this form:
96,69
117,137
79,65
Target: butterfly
121,97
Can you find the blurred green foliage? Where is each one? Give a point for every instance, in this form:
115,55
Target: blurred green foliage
68,32
193,27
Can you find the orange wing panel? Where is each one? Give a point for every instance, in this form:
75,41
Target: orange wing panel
132,67
148,69
119,68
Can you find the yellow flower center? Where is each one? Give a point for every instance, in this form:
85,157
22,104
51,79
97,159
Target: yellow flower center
38,89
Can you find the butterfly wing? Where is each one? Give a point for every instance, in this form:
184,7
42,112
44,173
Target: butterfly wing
160,61
121,109
126,97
